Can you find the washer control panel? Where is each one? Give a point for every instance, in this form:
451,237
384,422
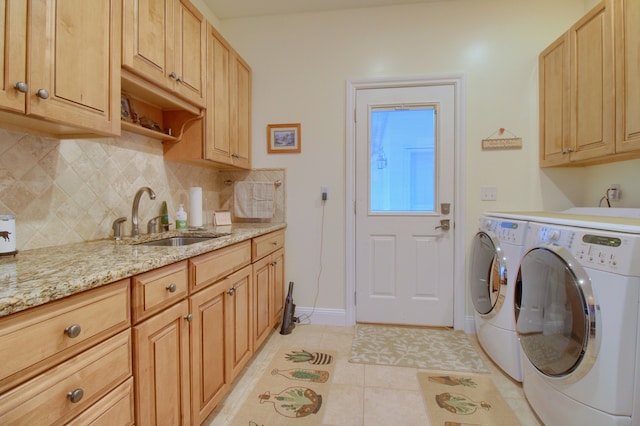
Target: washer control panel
506,231
603,250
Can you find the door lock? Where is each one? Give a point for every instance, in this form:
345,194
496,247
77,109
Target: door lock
445,225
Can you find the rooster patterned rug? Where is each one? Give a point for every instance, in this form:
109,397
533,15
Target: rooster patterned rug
425,348
454,399
292,391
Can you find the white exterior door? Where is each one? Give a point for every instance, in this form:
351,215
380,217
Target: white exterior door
404,191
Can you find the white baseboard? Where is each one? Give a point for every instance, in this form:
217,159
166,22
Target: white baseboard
339,317
322,316
470,324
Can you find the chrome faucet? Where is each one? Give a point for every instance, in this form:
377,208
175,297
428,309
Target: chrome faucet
135,232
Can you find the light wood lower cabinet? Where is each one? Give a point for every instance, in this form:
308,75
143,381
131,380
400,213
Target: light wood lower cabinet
114,409
221,343
63,392
268,287
161,368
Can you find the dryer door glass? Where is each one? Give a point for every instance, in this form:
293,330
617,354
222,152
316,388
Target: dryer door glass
552,318
488,275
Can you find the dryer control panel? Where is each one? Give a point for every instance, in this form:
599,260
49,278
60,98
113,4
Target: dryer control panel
602,250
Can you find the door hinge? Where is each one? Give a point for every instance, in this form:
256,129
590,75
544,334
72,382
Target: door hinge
354,207
355,115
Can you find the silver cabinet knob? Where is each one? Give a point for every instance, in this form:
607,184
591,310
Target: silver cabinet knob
231,291
73,331
42,94
21,86
75,395
172,75
189,317
172,288
180,80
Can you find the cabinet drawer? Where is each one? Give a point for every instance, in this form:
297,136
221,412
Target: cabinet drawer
210,267
46,399
158,289
34,340
267,244
115,409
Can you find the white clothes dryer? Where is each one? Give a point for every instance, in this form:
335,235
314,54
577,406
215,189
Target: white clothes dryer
495,256
577,316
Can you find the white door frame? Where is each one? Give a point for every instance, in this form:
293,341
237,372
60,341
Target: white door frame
457,80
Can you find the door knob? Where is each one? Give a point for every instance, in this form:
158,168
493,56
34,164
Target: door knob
444,225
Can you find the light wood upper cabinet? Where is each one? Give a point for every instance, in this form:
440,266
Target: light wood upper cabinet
240,112
592,84
72,82
164,42
589,91
228,119
224,138
13,51
554,102
627,43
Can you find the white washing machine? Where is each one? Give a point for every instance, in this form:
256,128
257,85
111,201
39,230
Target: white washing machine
577,316
495,256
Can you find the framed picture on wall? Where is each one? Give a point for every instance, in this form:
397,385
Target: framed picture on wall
283,138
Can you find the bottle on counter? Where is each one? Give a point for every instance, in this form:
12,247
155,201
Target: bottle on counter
164,219
181,218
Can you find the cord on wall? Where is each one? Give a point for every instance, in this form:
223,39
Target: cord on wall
307,317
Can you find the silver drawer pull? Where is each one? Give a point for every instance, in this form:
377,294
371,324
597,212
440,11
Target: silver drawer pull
275,243
75,395
42,94
189,317
73,331
21,86
231,291
172,288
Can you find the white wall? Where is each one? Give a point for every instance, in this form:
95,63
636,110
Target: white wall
302,61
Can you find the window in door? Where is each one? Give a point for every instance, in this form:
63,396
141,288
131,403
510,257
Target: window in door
402,166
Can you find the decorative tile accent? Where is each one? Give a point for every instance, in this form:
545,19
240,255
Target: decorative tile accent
66,191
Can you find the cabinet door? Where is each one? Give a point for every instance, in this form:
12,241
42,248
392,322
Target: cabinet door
277,285
627,81
218,131
210,377
74,72
161,373
554,102
147,39
13,53
262,299
239,320
190,52
592,88
240,112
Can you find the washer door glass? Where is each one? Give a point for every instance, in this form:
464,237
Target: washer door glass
488,275
554,311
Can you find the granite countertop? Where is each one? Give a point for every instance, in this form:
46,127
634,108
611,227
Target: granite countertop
35,277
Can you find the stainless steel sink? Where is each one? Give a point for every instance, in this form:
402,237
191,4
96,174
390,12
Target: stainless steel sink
177,241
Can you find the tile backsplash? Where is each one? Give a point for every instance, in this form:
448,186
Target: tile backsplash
65,191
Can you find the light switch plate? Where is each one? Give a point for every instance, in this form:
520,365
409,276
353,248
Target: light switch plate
488,193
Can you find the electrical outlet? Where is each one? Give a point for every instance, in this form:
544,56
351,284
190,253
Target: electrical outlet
324,193
488,193
614,193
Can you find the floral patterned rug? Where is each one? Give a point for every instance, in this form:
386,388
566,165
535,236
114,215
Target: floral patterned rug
425,348
464,399
292,391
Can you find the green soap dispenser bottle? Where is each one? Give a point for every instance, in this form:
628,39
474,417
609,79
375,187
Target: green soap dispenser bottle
181,218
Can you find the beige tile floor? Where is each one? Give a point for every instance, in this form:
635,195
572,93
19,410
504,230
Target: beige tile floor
361,395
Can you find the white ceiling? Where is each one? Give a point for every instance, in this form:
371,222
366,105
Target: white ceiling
225,9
